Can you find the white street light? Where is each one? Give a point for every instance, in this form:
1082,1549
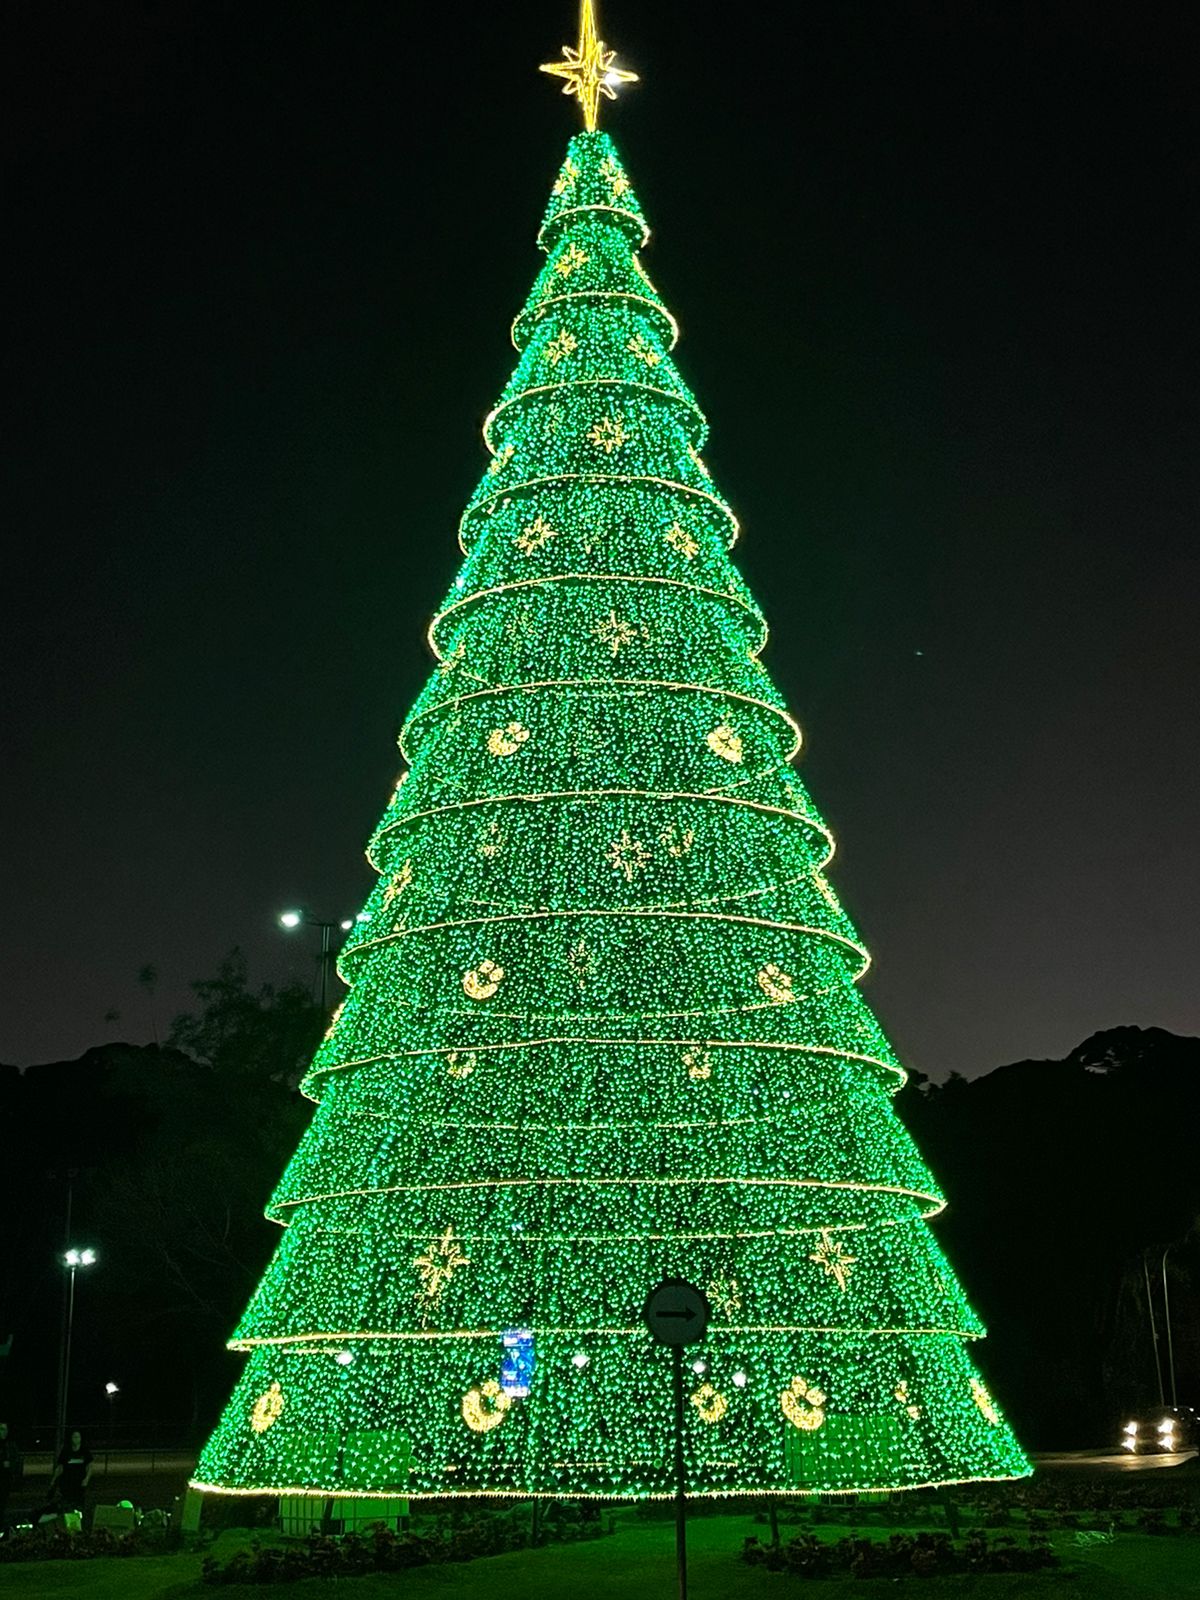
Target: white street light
73,1259
303,918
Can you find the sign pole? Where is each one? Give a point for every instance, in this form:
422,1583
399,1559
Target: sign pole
677,1314
680,1489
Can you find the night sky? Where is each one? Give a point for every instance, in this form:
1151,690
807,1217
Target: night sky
935,267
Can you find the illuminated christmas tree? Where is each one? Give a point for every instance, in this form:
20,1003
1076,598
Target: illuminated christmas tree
603,1023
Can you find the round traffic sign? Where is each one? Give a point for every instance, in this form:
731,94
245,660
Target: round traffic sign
676,1312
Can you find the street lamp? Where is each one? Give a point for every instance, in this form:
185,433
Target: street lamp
72,1259
1167,1321
111,1391
298,919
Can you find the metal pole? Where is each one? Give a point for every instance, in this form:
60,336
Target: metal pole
1153,1328
325,932
66,1387
1167,1321
680,1488
62,1337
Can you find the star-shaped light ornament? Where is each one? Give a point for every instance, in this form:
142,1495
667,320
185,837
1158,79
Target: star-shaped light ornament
615,632
442,1258
836,1262
589,71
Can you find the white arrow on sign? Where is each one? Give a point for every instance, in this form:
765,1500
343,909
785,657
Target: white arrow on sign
676,1312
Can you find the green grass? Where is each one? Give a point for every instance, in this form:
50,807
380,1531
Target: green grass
636,1563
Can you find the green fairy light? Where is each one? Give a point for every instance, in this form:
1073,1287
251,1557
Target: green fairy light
604,1022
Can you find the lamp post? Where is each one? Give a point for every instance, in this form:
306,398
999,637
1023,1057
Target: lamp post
111,1391
73,1259
1162,1399
1167,1321
305,919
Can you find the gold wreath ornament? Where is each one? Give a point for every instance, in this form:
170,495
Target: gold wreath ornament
507,741
803,1405
481,982
710,1406
725,743
267,1410
485,1406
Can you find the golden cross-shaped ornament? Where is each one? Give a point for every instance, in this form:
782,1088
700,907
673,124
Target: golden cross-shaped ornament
589,72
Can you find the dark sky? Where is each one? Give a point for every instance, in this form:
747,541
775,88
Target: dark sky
935,266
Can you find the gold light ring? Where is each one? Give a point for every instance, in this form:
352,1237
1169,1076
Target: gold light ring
340,1338
474,510
892,1070
550,914
533,315
640,226
931,1204
443,1492
672,398
665,797
726,596
637,685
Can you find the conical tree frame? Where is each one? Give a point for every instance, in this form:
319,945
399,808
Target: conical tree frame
604,1021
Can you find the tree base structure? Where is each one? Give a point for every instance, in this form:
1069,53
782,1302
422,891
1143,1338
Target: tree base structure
766,1435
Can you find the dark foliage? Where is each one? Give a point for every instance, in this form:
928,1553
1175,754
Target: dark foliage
923,1555
1061,1176
166,1157
59,1545
1162,1501
458,1536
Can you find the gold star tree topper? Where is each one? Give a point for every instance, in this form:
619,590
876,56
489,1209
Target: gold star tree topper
589,71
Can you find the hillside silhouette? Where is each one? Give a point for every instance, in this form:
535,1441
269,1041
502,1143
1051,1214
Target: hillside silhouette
1062,1176
1063,1179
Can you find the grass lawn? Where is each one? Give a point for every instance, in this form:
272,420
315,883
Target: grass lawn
636,1563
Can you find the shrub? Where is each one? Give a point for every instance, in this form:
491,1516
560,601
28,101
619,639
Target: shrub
457,1536
922,1555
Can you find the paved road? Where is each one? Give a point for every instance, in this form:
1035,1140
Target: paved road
122,1462
1117,1461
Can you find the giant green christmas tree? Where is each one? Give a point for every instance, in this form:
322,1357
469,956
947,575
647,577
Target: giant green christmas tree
603,1023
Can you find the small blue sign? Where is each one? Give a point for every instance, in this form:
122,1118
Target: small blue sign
516,1369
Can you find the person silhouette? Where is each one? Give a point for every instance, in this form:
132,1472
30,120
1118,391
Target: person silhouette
10,1473
72,1473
